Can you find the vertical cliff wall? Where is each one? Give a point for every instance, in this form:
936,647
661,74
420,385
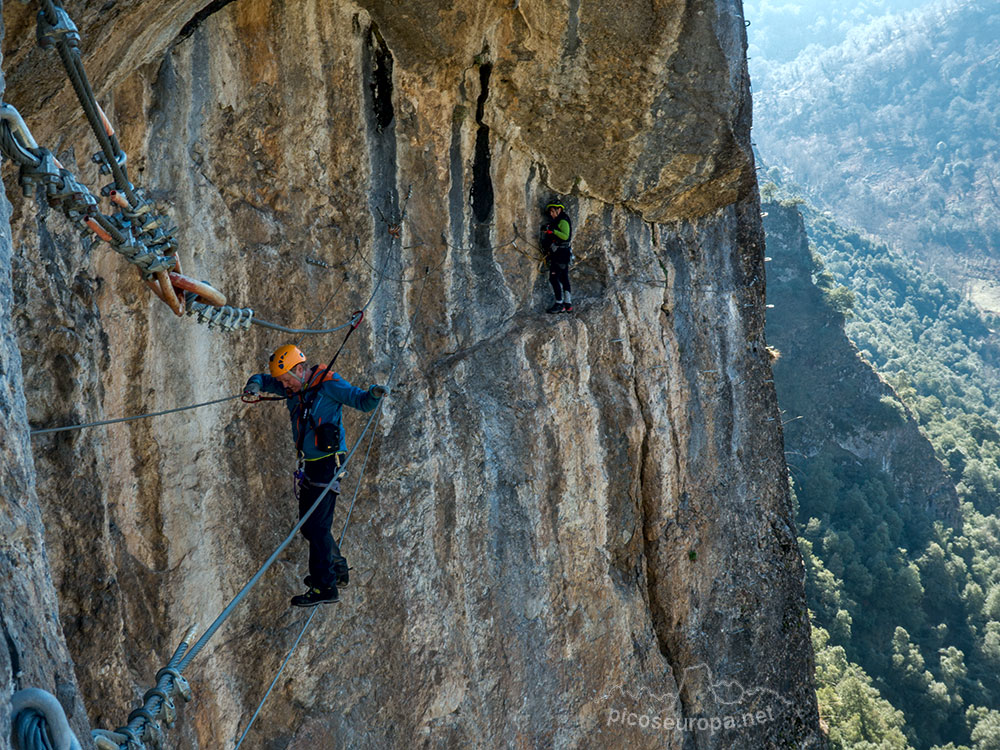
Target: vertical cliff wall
33,652
566,521
835,403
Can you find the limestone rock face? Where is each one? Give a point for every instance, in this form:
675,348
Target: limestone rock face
33,653
568,526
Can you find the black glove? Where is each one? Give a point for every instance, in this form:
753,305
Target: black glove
252,387
378,391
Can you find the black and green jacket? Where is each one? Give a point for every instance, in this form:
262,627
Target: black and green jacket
557,232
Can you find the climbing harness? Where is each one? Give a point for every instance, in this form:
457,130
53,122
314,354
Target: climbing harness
306,398
374,418
301,480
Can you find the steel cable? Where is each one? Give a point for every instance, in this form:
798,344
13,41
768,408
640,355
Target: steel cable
166,682
39,722
275,680
49,430
288,539
31,731
350,510
73,65
217,623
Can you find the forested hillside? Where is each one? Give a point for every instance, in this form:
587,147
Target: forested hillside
897,130
781,30
899,593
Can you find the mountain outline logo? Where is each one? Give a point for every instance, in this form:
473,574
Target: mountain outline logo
724,692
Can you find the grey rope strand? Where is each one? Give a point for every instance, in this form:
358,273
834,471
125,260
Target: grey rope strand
275,680
303,331
392,372
274,556
48,430
165,680
347,521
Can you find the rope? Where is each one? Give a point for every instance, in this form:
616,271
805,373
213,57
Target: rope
40,722
275,680
200,644
350,510
31,731
302,331
257,321
142,722
48,430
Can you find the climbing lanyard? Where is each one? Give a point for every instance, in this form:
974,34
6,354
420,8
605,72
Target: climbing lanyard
308,396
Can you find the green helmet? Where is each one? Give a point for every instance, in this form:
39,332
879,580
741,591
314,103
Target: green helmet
560,206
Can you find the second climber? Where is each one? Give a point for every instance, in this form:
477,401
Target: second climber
556,233
315,400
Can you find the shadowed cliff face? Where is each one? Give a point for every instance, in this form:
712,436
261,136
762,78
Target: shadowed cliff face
849,411
564,519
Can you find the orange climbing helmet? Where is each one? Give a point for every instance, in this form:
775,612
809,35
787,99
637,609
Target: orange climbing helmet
284,359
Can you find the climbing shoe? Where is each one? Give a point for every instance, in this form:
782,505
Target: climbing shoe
567,307
343,580
315,596
556,308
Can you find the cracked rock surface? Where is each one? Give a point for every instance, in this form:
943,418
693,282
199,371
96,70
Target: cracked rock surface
566,522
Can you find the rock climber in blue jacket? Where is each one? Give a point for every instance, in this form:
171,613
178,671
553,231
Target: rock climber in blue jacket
315,400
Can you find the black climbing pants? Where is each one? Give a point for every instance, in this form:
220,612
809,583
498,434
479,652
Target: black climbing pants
559,259
325,560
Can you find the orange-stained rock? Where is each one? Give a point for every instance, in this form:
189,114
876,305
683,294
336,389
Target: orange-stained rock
562,516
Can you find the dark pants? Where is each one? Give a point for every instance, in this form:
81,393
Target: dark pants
559,259
325,561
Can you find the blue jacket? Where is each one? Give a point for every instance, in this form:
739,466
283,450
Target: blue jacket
328,401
